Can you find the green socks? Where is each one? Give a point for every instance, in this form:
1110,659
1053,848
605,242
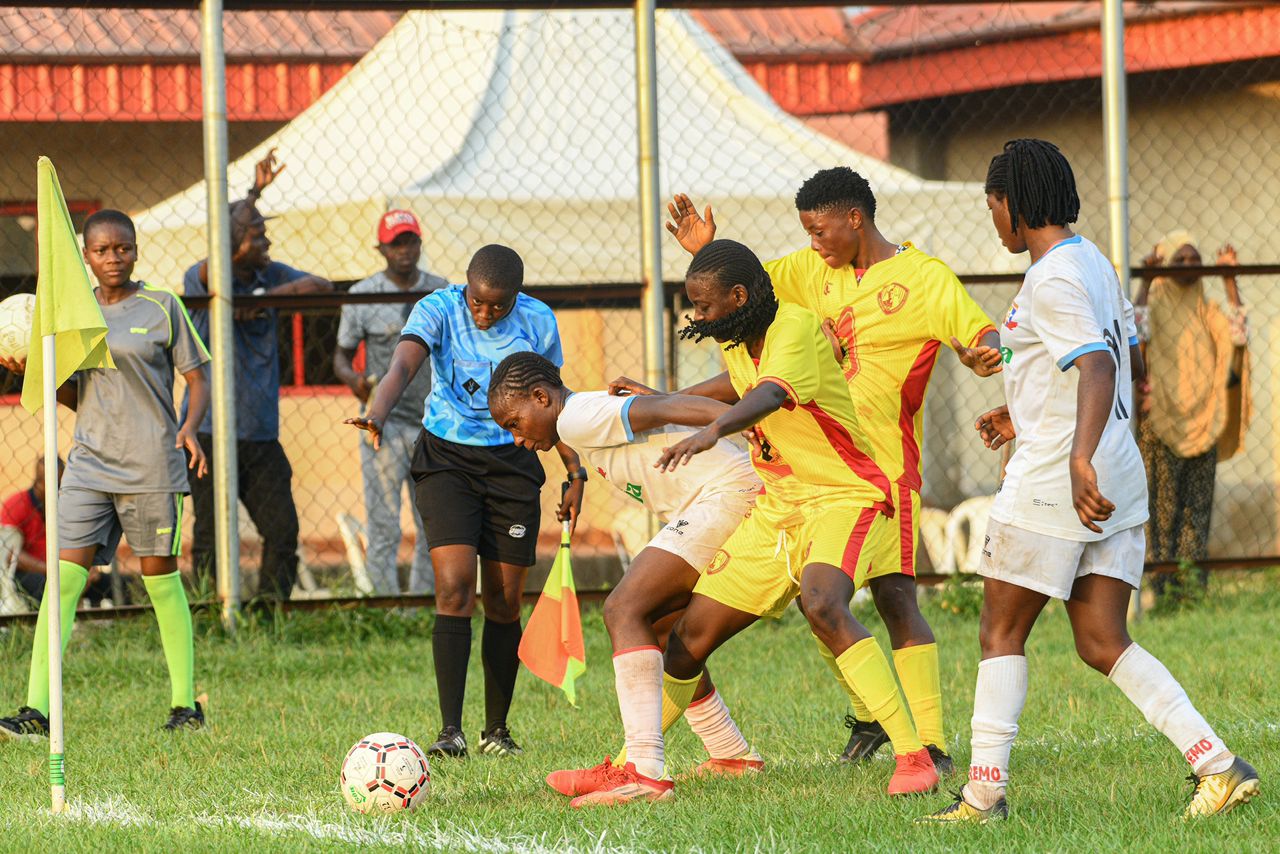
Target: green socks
174,616
73,581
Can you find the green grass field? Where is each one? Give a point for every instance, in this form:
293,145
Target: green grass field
286,699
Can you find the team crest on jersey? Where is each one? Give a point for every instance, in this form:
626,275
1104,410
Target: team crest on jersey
1009,322
719,561
892,297
826,288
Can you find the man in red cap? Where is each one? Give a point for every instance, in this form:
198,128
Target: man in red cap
378,326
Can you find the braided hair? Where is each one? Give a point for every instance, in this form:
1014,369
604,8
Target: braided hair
729,263
519,373
838,187
1037,181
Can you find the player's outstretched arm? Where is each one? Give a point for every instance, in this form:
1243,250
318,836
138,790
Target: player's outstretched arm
691,231
1095,396
571,501
649,412
995,427
717,388
197,381
405,363
984,357
761,401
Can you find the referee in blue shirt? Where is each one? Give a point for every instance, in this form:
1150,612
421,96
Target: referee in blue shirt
476,490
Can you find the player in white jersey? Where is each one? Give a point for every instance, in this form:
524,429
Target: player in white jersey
1067,521
701,504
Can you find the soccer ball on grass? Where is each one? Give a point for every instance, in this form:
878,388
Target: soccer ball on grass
385,773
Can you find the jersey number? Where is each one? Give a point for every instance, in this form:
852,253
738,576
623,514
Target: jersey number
1113,338
849,340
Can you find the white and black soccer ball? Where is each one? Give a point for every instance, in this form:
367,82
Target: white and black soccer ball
384,773
15,325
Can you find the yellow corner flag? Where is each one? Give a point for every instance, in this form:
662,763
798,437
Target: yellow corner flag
552,645
65,305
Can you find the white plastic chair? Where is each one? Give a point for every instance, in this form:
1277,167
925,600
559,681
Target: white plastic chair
357,544
953,540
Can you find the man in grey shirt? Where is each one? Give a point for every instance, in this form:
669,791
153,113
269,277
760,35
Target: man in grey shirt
386,472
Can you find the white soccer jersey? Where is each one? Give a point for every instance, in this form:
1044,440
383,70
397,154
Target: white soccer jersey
1070,304
596,425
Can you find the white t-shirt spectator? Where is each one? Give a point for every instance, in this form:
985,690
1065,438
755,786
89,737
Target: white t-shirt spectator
1070,304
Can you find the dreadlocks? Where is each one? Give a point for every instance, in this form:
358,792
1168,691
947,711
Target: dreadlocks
1037,181
729,263
517,375
839,187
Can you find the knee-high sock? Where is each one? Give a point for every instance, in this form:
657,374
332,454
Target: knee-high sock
866,670
997,704
638,680
1164,703
917,668
450,650
860,710
710,721
73,580
169,600
500,653
676,696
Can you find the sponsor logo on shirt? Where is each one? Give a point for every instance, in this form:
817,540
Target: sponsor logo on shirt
517,531
1009,322
1006,354
1040,502
892,297
719,561
634,490
677,525
986,545
139,330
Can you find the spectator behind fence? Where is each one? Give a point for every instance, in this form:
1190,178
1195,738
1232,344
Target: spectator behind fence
1195,403
386,473
24,511
264,473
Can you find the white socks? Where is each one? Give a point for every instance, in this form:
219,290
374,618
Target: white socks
997,703
638,680
1151,687
710,720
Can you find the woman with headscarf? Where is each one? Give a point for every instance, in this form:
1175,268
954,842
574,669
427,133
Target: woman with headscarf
1195,400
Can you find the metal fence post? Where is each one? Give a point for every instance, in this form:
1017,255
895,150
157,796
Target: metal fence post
225,486
652,301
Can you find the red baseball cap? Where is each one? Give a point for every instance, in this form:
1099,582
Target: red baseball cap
395,223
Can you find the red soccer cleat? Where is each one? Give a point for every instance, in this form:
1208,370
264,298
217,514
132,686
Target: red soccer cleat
631,786
749,764
582,782
915,774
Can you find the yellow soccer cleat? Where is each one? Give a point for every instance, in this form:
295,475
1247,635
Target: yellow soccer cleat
961,810
1217,794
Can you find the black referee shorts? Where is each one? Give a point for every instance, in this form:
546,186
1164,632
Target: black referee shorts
480,496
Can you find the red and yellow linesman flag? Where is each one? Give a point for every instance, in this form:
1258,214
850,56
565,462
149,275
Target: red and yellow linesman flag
552,644
65,305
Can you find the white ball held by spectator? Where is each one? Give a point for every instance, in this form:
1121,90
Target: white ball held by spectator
16,314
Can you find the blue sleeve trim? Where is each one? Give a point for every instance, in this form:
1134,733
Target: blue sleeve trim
1133,342
625,414
1069,359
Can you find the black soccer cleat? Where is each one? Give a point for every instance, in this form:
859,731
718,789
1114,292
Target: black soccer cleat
185,717
864,741
941,761
498,742
451,743
27,725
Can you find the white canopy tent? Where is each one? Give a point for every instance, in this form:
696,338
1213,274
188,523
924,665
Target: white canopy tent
520,128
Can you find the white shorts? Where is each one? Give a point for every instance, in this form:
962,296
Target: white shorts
1051,565
702,528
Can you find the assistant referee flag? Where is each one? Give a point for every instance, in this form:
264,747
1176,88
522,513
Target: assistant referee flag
65,305
552,644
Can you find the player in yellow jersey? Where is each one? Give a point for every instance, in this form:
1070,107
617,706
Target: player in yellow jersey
888,308
825,516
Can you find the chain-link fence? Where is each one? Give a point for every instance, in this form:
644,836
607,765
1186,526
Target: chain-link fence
520,128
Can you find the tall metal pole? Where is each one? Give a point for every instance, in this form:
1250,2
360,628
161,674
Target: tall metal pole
1115,130
652,302
53,578
226,490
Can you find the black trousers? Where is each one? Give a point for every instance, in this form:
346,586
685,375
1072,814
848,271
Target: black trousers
266,490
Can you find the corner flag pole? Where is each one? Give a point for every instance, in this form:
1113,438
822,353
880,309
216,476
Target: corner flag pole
53,581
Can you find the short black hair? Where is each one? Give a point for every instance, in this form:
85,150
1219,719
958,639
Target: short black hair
517,374
838,187
497,266
729,263
108,216
1035,178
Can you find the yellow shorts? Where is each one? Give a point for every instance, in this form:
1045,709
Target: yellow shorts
758,570
908,523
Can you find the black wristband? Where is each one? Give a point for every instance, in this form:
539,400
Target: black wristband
580,474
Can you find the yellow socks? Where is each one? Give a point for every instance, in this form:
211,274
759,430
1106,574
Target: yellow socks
917,668
866,669
860,710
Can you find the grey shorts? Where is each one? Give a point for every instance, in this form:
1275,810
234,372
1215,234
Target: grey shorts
151,522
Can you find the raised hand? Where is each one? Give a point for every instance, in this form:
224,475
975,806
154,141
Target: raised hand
995,427
626,385
1227,256
691,231
373,425
982,360
1089,502
265,172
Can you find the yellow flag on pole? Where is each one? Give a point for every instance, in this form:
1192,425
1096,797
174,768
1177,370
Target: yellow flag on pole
65,305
